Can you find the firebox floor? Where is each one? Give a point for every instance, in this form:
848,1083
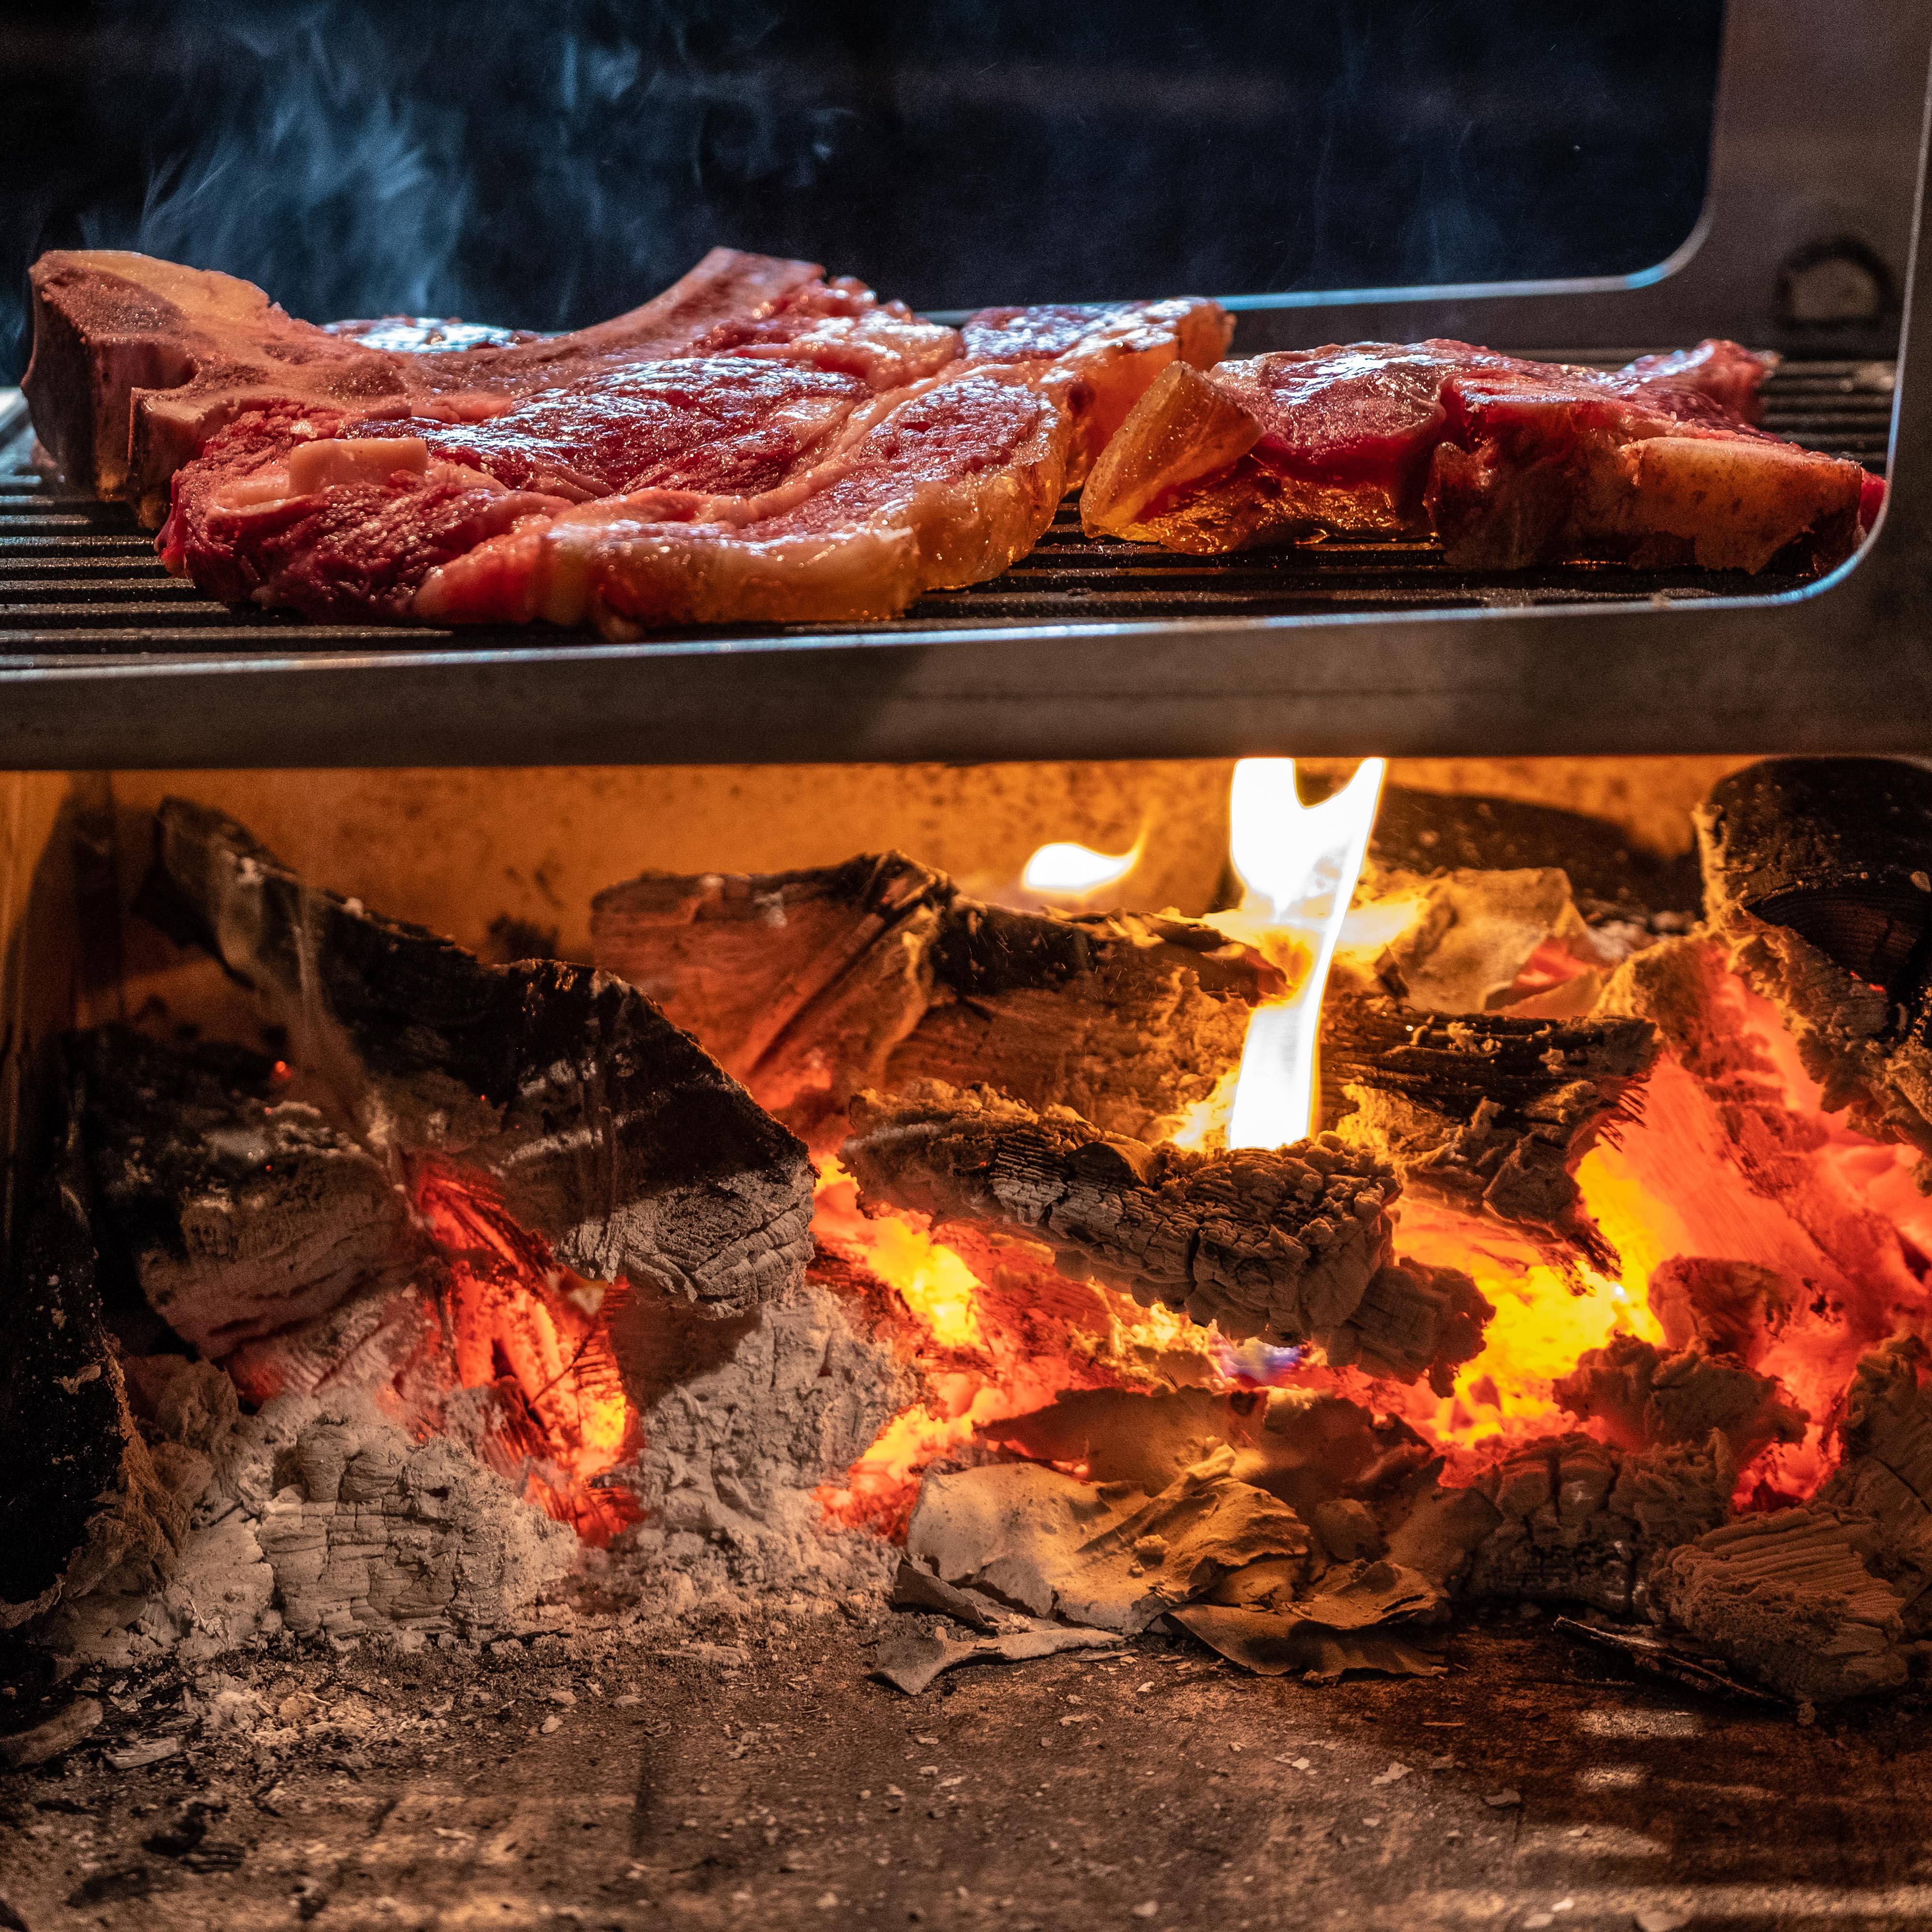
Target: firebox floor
754,1776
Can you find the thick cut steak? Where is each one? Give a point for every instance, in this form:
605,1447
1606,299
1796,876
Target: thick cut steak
137,361
1506,462
759,444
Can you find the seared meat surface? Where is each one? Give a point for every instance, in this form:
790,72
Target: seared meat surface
759,444
1505,461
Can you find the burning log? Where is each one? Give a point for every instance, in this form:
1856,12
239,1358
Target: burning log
810,986
1818,873
1292,1246
813,986
1490,1112
244,1211
593,1121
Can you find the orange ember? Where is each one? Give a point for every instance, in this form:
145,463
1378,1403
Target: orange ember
987,1350
1733,1164
530,1343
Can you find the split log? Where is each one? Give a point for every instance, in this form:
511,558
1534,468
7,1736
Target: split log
1489,1112
811,986
1293,1245
82,1503
1818,873
597,1125
243,1210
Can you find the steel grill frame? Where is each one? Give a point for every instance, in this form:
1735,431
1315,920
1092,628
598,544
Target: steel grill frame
1099,649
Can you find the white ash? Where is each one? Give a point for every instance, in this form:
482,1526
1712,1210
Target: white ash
375,1532
734,1455
320,1517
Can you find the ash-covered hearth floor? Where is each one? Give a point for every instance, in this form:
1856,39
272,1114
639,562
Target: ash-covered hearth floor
752,1776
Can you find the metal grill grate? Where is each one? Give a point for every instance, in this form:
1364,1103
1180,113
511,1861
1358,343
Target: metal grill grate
80,580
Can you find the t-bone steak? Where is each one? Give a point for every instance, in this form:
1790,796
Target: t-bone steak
757,444
1506,462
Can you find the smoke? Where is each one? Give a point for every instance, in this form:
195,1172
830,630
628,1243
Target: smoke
312,180
541,164
498,162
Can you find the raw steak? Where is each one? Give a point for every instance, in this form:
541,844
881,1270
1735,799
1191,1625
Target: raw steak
757,445
137,361
1506,462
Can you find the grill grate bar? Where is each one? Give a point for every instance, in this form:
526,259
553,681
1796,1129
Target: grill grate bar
79,579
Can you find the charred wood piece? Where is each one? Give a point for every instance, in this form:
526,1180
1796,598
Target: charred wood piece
1582,1522
1788,1599
810,986
1612,875
1818,873
241,1210
598,1125
82,1505
1489,1112
1644,1398
1645,1651
1886,1476
1293,1245
1726,1308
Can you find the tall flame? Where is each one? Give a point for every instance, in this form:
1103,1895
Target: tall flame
1299,864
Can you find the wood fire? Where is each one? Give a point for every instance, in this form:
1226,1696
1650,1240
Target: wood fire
1575,1253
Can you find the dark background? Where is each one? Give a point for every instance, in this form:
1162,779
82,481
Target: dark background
545,165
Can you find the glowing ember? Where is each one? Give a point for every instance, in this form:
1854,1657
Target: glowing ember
529,1339
1299,864
988,1349
932,1281
1681,1174
1071,876
1544,1320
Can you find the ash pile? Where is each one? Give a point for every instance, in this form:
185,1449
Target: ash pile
838,1231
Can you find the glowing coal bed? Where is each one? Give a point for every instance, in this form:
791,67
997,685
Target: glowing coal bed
1406,1235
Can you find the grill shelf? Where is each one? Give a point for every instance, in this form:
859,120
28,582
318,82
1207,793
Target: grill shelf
79,579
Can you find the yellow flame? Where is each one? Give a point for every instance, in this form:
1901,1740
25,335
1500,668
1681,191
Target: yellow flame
934,1282
1299,864
1064,871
